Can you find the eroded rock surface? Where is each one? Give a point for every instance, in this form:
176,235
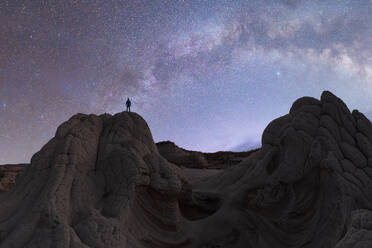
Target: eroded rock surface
311,179
101,182
8,175
200,160
181,157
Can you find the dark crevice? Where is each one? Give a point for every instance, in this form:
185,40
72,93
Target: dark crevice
200,205
273,164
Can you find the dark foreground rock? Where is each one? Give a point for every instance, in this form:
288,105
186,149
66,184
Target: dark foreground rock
8,175
101,182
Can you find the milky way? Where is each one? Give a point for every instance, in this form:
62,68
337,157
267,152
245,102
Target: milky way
208,75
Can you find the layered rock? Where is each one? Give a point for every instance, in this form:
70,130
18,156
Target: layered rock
181,157
8,175
101,182
311,179
200,160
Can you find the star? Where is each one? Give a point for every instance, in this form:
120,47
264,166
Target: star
221,58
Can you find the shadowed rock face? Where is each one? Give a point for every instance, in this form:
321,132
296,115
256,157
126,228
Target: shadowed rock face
200,160
8,175
100,182
301,189
181,157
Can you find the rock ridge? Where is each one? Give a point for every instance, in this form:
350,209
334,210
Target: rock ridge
101,182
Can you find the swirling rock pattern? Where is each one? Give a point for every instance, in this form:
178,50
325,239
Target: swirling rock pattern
100,182
303,187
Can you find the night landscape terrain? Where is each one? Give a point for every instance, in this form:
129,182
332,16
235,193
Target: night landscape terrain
249,124
103,182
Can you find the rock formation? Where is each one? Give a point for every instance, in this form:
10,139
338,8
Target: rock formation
181,157
8,175
101,182
200,160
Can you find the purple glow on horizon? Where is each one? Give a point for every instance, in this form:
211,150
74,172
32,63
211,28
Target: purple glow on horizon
207,75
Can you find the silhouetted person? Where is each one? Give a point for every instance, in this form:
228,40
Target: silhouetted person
128,103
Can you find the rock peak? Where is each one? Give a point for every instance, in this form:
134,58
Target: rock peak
101,182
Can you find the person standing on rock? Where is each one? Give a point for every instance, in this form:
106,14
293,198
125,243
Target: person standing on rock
128,103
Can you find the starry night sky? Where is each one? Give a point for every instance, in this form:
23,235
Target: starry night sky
208,75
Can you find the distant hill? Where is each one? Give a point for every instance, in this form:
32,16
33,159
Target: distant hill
195,159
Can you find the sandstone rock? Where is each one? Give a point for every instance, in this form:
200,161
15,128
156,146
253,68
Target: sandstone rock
101,182
8,175
354,154
181,157
329,124
295,194
200,160
364,145
359,231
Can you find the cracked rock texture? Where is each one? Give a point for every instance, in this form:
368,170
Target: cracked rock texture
101,182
